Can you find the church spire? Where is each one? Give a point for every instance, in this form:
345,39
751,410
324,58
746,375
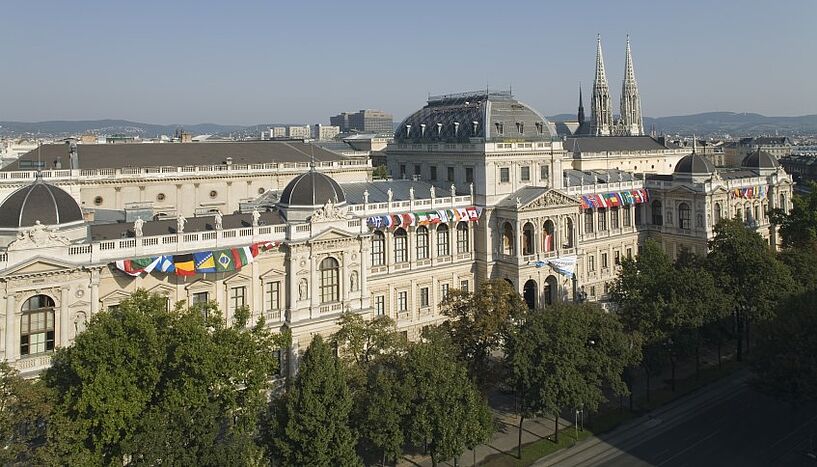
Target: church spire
601,113
581,106
631,120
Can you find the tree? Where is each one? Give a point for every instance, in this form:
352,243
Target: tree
384,406
480,321
311,426
785,358
148,385
798,227
362,340
381,172
565,356
24,409
802,264
446,414
746,269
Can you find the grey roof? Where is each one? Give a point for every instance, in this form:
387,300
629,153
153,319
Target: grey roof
106,156
41,202
478,114
311,189
168,226
760,160
694,164
525,195
736,173
612,143
378,190
574,177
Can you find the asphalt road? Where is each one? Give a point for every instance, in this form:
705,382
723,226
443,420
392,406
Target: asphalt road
729,424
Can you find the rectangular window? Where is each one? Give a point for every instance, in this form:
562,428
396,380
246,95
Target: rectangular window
402,301
544,172
424,301
588,221
450,174
629,253
417,169
37,332
443,247
639,214
602,219
464,285
617,257
614,218
591,263
524,173
504,175
238,297
469,174
199,298
272,296
593,291
462,238
604,261
400,247
433,172
402,170
380,305
625,214
444,291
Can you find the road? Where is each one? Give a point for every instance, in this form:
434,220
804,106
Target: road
727,424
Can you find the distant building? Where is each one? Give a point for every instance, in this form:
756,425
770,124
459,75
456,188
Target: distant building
364,121
802,167
325,132
777,146
301,132
278,132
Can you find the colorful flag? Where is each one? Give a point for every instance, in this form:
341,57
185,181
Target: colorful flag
165,264
185,266
243,256
462,214
204,261
472,213
224,260
443,216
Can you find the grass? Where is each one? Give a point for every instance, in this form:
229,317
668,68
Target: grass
611,418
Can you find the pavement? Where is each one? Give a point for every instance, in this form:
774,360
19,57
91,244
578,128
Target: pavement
727,424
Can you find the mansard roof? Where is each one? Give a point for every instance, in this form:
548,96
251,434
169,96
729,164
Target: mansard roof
379,189
168,226
612,143
111,156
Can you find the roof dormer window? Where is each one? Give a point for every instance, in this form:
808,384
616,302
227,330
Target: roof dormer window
520,127
539,127
422,129
500,128
408,130
475,127
439,128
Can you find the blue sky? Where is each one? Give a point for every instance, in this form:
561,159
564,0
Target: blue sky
246,62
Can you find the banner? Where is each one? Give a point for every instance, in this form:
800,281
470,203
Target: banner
200,262
411,219
565,265
614,199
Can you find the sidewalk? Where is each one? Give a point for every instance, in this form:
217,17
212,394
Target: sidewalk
504,441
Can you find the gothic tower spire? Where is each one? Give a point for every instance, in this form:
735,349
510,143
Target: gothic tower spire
601,113
631,121
581,106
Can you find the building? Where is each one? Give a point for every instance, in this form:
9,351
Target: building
736,151
483,189
364,121
325,132
299,132
341,121
278,132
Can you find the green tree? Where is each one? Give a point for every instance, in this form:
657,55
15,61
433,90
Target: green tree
480,321
25,406
746,269
802,264
446,412
798,227
147,385
360,341
381,172
565,357
785,358
384,406
312,423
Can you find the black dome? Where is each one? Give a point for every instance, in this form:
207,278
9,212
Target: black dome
694,164
312,189
38,202
760,160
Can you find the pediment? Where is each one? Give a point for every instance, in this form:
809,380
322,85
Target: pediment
682,189
115,296
550,199
274,272
80,304
38,265
199,284
240,277
162,289
331,234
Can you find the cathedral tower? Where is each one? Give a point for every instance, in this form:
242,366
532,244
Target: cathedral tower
580,117
601,113
631,121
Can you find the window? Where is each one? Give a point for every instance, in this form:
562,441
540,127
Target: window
524,173
544,172
464,285
272,296
37,325
238,297
718,212
507,239
500,128
200,298
213,193
402,170
657,217
98,200
462,238
617,257
469,174
614,224
783,201
639,214
450,174
444,291
504,175
591,263
330,280
433,172
520,127
402,301
442,241
684,216
380,305
378,248
626,212
422,243
424,302
527,239
588,221
602,219
417,170
604,264
400,246
629,253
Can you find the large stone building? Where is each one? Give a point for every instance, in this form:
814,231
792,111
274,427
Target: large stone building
483,188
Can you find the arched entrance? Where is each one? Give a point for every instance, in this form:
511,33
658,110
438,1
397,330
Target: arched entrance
529,293
551,290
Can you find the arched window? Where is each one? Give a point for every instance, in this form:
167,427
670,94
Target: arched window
548,238
378,248
507,239
37,325
330,280
783,201
400,246
527,239
422,243
657,217
684,216
718,212
443,247
463,244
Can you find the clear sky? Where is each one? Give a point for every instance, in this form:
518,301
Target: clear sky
247,62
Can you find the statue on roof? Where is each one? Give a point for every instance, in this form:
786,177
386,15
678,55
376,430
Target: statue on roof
138,225
218,221
256,217
180,221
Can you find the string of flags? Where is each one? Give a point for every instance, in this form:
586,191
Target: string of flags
225,260
752,192
411,219
614,199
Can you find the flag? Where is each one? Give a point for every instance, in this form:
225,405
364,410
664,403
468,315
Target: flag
165,264
611,200
135,267
184,264
645,193
422,218
408,219
472,213
204,261
564,265
243,256
636,194
433,217
443,216
540,264
375,222
224,260
462,214
583,201
628,197
599,199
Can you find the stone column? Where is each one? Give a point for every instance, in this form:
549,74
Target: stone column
12,347
94,292
64,317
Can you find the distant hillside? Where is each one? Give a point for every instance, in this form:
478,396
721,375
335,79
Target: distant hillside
62,128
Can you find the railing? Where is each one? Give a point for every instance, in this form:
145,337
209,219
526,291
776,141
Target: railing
331,308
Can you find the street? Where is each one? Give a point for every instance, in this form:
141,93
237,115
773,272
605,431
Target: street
729,424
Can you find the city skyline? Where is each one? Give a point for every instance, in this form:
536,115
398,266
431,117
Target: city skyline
252,63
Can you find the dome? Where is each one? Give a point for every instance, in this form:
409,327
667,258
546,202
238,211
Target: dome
312,189
760,160
694,164
491,115
41,202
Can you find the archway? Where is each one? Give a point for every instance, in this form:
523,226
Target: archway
548,241
551,290
529,293
527,239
